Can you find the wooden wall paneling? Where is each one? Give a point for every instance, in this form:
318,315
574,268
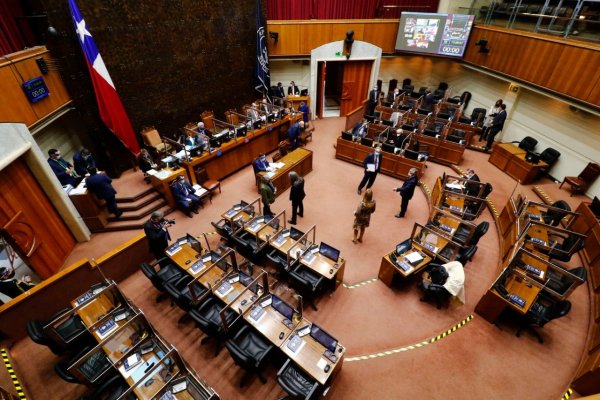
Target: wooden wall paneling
19,191
289,39
576,77
338,31
314,35
382,34
14,106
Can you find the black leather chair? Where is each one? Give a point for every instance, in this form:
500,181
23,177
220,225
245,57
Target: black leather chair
553,217
112,389
167,273
481,230
466,254
245,244
549,156
541,312
180,294
279,261
223,228
72,332
296,384
307,283
435,288
35,331
207,317
250,351
561,283
528,143
487,189
563,251
478,115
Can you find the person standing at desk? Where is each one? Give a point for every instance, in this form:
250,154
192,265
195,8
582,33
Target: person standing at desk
360,130
362,216
296,196
146,163
293,90
267,193
373,98
62,168
294,135
261,163
184,196
407,190
157,234
372,164
428,101
497,125
83,160
100,185
202,138
494,110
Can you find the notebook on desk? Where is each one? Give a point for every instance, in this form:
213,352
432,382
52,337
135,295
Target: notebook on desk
295,343
256,313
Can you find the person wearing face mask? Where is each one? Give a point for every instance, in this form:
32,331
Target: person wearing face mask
261,163
372,164
294,135
406,191
62,168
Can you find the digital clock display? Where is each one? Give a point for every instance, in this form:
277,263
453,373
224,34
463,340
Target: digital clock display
35,89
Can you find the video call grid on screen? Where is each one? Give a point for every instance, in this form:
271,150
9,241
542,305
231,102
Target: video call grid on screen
442,34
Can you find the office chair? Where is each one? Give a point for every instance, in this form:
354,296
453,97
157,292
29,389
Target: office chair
487,189
279,261
168,273
462,234
466,254
209,184
565,250
307,283
481,230
180,294
553,217
408,89
561,283
435,288
207,317
541,312
581,182
245,244
549,156
223,229
296,384
250,351
62,368
527,143
477,115
35,331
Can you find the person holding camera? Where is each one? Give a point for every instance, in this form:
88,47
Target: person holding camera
157,233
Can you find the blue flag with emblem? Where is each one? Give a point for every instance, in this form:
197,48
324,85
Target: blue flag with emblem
262,78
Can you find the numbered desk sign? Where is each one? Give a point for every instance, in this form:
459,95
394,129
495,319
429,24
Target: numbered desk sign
35,89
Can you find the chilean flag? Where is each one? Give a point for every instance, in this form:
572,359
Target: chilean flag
111,109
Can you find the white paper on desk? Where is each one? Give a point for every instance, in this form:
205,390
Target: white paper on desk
269,175
151,172
278,165
371,167
321,363
413,257
455,186
200,192
163,174
168,159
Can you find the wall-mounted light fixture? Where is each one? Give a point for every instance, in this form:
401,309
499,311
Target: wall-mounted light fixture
348,44
482,43
274,36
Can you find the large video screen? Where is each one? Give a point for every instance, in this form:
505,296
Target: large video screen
443,34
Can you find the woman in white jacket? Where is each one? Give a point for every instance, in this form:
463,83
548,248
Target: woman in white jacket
495,109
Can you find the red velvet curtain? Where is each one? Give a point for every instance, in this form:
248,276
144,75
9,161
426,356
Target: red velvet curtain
11,38
345,9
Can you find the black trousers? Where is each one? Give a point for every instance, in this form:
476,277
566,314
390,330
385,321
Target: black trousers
297,209
368,180
404,205
111,205
490,137
267,210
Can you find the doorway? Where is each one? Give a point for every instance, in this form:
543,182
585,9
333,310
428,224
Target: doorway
332,87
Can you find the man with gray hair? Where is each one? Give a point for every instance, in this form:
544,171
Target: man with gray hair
157,234
406,191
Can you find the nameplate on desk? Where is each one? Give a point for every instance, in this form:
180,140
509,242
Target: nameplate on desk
256,313
414,257
538,241
180,387
132,361
295,344
84,298
455,208
225,288
173,249
430,247
534,270
534,216
107,327
197,266
404,266
280,240
513,298
207,258
447,228
169,395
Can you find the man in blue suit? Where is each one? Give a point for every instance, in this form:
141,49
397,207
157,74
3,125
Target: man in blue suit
99,184
372,164
294,135
261,163
184,196
83,160
61,168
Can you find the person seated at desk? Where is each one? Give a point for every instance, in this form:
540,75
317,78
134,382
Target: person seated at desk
62,169
360,130
294,135
444,281
261,163
100,185
293,90
185,197
252,114
399,138
202,135
190,139
392,96
146,163
472,189
265,106
83,160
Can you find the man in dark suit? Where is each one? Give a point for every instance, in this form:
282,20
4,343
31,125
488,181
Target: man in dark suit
373,98
406,191
261,163
293,89
157,234
294,134
471,188
392,96
185,197
372,164
100,185
497,125
83,160
61,168
428,101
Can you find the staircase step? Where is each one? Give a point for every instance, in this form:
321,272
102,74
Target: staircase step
141,204
140,213
124,225
136,197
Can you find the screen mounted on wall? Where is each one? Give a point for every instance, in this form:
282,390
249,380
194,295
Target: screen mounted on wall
442,34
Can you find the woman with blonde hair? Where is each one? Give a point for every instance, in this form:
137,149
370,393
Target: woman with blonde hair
362,215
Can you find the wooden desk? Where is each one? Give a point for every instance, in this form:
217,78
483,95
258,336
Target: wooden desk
326,267
511,159
440,151
232,156
456,204
388,269
296,100
310,354
162,180
492,303
299,160
92,210
391,164
270,324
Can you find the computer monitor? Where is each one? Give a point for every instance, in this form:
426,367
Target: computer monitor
387,147
257,124
366,141
430,132
346,135
595,206
411,155
214,142
282,307
194,243
532,157
241,130
324,338
246,280
329,252
304,92
295,233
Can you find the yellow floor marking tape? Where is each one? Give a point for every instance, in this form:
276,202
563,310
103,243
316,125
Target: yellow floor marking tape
12,374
